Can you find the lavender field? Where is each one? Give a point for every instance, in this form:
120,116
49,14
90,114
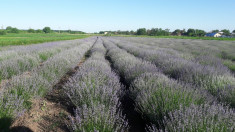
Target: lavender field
119,84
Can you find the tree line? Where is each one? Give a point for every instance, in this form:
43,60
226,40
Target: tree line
166,32
10,29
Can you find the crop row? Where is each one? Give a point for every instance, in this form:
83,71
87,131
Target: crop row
25,58
21,90
218,82
214,53
13,51
95,92
165,102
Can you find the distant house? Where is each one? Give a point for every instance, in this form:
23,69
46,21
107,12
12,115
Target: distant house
213,35
105,32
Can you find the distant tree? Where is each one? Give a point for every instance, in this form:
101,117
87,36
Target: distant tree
31,31
132,32
183,32
8,28
200,33
39,31
15,30
141,31
46,29
195,32
215,31
177,32
101,32
225,32
69,31
191,32
3,32
233,31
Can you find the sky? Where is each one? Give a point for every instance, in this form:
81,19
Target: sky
106,15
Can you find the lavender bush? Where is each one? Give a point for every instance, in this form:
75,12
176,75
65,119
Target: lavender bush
29,58
128,65
156,95
204,118
40,80
9,106
95,90
213,79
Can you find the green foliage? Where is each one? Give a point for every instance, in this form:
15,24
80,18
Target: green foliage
46,30
31,31
10,29
39,31
15,30
25,38
177,32
226,32
159,95
225,55
5,123
3,32
141,31
195,33
230,65
233,31
101,32
215,31
158,32
180,37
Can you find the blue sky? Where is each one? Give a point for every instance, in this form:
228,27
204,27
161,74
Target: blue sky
97,15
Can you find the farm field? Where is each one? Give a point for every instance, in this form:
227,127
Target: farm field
33,38
118,84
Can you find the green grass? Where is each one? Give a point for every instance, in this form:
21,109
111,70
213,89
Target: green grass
33,38
178,37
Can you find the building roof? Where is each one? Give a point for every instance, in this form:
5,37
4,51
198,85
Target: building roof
211,34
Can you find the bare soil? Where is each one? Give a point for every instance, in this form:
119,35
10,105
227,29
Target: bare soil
43,116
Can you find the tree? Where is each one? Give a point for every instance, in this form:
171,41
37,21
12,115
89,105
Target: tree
225,32
15,30
46,30
195,32
39,31
141,31
132,32
233,31
9,28
177,32
215,31
200,33
3,32
101,32
31,31
191,32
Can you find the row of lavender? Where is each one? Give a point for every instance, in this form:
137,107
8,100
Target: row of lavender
169,105
95,92
214,53
217,80
17,60
21,90
14,51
